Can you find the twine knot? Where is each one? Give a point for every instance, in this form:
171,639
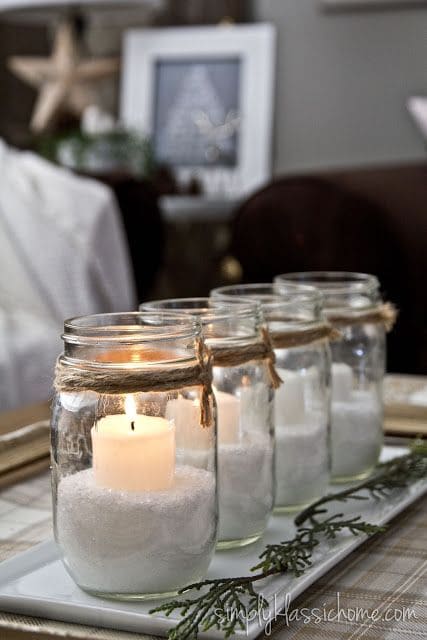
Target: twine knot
205,360
276,380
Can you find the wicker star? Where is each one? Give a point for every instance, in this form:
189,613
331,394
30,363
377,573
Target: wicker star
63,80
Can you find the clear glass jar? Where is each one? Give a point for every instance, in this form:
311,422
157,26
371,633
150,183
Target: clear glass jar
357,370
244,397
301,405
135,515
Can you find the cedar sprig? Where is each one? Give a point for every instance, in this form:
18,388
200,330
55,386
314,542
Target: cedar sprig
226,604
296,556
397,473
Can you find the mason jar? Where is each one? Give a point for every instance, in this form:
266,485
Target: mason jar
244,396
135,515
299,336
353,304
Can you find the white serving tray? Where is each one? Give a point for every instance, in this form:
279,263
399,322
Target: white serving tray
35,582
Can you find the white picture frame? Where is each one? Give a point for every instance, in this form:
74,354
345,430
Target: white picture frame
240,59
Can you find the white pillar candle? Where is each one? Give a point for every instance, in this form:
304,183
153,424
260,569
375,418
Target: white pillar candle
254,407
356,434
356,426
133,452
245,488
302,455
342,382
245,458
314,391
302,463
289,406
185,415
228,407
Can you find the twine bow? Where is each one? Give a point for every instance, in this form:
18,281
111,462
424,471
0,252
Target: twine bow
271,359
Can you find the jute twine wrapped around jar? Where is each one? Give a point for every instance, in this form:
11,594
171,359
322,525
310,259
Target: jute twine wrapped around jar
264,350
385,313
236,355
300,336
133,379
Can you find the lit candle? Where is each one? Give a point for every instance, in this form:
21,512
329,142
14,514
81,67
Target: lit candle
185,415
254,406
356,426
289,403
342,382
302,455
133,452
228,407
245,462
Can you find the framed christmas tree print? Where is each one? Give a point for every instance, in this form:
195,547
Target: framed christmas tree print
204,95
197,100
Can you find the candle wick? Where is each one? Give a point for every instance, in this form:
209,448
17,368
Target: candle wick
132,425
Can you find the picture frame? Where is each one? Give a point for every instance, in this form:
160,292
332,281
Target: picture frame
204,95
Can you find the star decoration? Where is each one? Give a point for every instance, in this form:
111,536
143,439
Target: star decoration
63,80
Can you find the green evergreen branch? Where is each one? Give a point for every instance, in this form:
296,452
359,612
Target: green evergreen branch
388,476
226,604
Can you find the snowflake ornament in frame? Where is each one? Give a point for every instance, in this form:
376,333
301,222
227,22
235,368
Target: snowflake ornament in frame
205,97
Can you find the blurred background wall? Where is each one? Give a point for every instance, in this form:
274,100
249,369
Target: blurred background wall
350,72
342,82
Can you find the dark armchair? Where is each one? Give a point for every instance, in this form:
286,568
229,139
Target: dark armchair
331,222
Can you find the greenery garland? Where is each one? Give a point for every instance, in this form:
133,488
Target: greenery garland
119,150
209,607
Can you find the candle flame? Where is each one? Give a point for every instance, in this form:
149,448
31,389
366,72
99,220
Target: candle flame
130,407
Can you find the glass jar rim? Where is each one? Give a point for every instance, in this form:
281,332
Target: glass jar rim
301,303
268,291
332,283
270,295
132,326
207,309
